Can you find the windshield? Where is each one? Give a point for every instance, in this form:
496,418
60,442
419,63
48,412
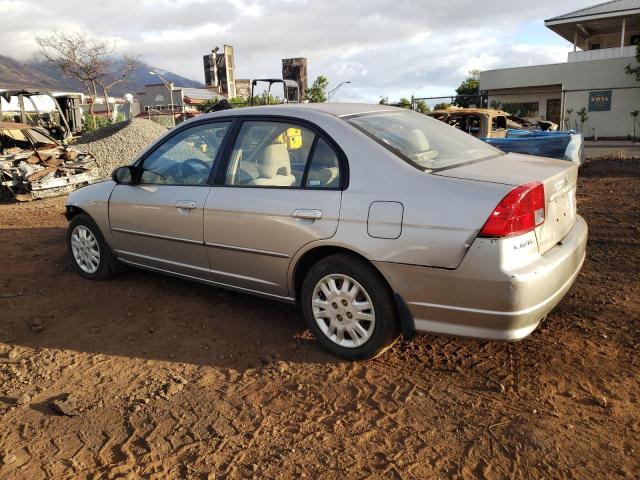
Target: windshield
424,142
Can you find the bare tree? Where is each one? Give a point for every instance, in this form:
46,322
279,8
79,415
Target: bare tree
89,60
118,72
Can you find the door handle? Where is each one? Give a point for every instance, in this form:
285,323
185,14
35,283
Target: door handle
186,204
307,214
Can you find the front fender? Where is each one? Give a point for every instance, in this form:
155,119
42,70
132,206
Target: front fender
94,200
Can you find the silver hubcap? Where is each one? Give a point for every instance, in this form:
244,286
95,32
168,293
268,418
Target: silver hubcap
84,247
343,310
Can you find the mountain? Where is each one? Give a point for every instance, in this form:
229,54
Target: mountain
14,74
41,75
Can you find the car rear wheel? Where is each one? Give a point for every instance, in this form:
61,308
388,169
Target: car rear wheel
349,308
88,250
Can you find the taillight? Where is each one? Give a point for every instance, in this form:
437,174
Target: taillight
519,212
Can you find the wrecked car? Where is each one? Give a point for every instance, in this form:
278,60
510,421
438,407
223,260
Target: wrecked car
513,134
60,116
34,165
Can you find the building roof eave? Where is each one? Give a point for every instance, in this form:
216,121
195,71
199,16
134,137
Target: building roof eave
583,18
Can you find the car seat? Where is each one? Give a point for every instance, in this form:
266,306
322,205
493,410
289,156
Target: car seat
324,171
275,167
420,144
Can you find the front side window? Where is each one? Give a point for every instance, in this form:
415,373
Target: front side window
186,158
269,154
424,142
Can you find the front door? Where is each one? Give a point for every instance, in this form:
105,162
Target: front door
157,222
281,191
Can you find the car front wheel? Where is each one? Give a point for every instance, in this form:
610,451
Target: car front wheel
349,308
87,248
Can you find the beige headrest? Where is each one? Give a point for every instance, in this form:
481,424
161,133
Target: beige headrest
418,140
276,157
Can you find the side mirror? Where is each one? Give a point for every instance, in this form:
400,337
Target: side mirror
123,175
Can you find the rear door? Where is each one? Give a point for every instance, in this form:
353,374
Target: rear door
158,221
280,190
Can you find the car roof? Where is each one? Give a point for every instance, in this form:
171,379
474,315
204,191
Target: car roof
335,109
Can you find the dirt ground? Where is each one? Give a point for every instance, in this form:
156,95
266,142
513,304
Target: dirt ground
170,379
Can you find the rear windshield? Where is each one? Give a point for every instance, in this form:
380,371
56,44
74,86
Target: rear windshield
424,142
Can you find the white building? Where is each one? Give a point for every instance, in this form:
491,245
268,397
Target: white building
592,78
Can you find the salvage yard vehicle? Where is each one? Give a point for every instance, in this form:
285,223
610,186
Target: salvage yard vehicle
60,116
34,165
375,220
513,134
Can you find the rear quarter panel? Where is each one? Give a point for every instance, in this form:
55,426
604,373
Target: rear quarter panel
441,216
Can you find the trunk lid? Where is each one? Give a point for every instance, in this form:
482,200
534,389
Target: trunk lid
559,178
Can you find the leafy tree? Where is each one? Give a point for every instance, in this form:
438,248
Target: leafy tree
469,91
634,70
384,101
238,102
206,104
317,93
265,99
404,103
422,107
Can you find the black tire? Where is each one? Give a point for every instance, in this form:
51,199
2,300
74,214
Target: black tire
104,269
386,328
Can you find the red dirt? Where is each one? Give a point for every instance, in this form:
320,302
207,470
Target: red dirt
178,380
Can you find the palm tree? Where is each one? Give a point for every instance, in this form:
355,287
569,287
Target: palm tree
584,116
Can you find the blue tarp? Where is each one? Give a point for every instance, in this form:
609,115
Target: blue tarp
533,142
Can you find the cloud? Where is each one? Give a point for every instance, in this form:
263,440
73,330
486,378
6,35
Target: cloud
384,47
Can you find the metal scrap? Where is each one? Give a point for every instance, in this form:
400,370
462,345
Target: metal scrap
35,165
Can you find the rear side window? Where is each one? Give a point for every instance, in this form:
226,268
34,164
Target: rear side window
324,168
281,154
269,154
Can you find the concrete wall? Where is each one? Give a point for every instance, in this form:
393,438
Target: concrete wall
616,123
519,83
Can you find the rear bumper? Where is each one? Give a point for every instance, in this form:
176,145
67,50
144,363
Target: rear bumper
501,291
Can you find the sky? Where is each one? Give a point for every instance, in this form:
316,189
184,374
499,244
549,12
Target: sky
389,48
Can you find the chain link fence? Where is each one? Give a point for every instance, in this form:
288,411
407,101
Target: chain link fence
605,112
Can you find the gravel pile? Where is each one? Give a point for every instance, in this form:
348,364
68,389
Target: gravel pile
118,144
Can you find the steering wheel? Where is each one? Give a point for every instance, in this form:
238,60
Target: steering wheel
184,173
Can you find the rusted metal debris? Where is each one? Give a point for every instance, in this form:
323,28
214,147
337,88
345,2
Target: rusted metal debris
34,165
487,122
